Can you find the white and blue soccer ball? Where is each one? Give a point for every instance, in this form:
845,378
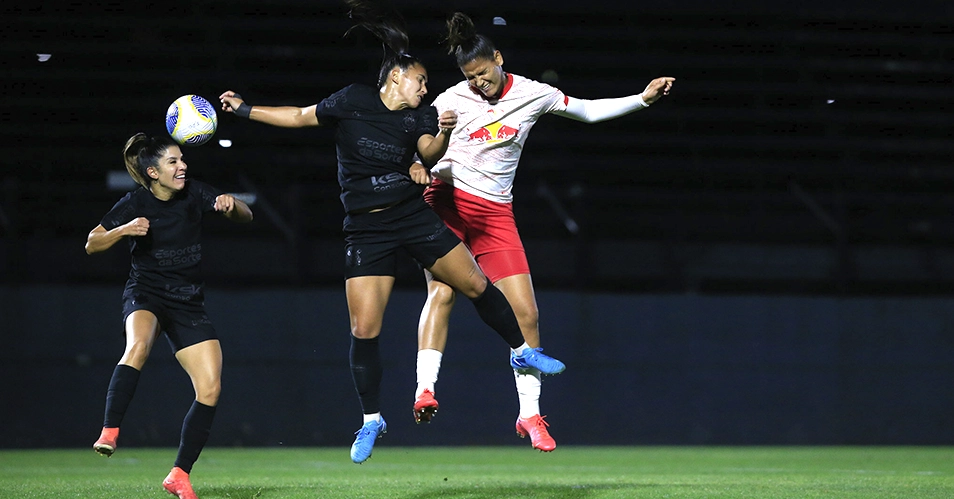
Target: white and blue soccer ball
191,120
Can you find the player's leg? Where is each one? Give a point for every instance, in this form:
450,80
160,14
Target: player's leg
367,298
141,328
519,292
431,339
203,363
458,269
434,324
511,273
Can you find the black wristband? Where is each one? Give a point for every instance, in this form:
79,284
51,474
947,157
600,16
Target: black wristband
244,110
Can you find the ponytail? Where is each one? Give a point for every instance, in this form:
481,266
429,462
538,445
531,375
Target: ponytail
388,27
463,41
141,152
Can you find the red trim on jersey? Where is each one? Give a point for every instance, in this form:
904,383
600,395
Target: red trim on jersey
506,86
566,100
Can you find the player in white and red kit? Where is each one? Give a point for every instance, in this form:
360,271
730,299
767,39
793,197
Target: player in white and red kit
471,191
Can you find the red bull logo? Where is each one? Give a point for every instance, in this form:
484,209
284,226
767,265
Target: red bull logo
481,135
494,132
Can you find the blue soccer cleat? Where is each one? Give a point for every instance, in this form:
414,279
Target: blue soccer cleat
364,442
534,357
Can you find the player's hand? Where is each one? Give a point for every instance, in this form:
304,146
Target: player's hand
224,203
137,227
420,175
230,101
657,88
447,122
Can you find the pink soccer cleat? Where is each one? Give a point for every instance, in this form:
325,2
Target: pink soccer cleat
106,444
425,407
177,483
536,427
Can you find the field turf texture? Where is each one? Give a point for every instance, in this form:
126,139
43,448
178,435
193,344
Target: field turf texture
491,472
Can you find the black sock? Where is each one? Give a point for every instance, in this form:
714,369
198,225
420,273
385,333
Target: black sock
366,371
496,312
195,432
122,387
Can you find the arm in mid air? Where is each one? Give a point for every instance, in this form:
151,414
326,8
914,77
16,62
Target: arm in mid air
100,239
283,116
234,209
431,149
593,111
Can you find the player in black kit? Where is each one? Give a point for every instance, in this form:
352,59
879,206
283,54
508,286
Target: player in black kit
162,221
378,131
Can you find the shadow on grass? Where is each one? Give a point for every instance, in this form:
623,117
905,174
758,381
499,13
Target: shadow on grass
515,491
480,492
244,492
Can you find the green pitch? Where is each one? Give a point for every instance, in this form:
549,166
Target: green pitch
493,473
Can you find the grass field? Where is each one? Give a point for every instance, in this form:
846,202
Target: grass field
493,472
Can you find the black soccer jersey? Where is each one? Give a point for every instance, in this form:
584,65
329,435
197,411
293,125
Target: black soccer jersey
375,146
166,260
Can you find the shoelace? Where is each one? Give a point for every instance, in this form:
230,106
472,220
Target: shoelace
538,423
364,429
541,422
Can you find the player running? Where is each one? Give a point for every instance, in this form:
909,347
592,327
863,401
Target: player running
162,221
378,131
471,192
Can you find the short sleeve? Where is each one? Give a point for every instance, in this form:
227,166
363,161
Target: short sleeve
120,214
441,102
331,108
554,99
205,193
427,122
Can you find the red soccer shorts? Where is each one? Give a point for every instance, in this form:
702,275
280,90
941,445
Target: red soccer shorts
487,228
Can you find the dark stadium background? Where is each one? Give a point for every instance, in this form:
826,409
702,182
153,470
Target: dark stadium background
766,256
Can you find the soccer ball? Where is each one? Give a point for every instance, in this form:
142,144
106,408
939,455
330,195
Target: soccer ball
191,120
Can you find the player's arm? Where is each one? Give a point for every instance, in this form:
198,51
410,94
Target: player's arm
100,239
419,174
234,209
283,116
431,149
594,111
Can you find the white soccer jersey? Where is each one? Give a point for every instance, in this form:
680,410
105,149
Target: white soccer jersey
485,147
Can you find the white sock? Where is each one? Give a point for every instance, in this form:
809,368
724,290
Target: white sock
428,366
528,391
520,350
372,417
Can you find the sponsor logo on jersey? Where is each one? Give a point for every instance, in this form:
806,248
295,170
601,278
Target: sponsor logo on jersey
494,132
379,150
169,258
388,181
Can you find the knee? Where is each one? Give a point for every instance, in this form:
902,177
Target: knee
476,286
136,354
365,330
208,391
442,296
528,315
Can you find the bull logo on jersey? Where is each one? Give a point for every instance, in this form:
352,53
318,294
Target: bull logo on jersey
494,132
